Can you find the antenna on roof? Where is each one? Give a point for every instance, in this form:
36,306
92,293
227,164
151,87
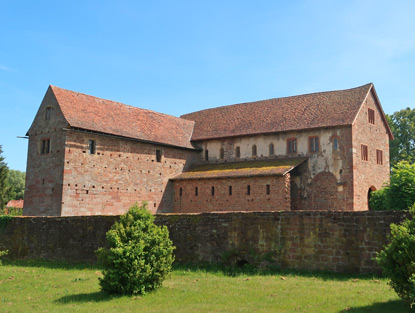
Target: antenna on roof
23,137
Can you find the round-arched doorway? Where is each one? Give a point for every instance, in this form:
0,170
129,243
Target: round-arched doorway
369,195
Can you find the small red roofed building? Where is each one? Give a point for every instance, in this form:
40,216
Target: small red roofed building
320,151
15,204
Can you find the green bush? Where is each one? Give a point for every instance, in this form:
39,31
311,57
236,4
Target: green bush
400,193
3,253
397,259
140,254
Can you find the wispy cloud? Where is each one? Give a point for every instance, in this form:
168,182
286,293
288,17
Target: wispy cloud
5,68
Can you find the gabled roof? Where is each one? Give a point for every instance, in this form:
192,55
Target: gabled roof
110,117
316,110
277,167
15,204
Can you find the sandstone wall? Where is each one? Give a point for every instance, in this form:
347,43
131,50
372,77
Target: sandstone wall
313,240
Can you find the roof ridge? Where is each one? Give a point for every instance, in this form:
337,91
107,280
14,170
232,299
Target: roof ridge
286,97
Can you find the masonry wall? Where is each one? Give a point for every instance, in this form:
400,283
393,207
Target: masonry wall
186,200
44,173
368,174
308,240
325,181
120,173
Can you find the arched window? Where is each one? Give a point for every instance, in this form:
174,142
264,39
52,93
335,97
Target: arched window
271,149
221,153
254,153
206,154
335,144
237,152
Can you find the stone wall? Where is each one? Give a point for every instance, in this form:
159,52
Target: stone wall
312,240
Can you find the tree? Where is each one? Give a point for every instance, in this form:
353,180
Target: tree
402,124
3,177
139,254
15,185
400,193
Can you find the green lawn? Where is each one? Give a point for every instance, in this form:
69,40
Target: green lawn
54,287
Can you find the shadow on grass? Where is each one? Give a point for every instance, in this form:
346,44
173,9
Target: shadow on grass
234,271
50,264
99,296
382,307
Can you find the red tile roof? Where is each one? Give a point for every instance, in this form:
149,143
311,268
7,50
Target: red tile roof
316,110
15,204
110,117
276,167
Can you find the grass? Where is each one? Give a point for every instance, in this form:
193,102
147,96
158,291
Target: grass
37,286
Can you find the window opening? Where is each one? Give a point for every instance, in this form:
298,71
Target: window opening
271,149
45,146
268,189
237,152
292,145
371,115
248,190
221,153
379,157
196,191
213,191
181,192
47,113
335,144
313,144
230,190
206,154
92,147
254,152
364,152
158,156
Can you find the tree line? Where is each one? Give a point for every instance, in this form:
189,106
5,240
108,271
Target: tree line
12,183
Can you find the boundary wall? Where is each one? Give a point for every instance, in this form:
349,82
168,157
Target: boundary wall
306,240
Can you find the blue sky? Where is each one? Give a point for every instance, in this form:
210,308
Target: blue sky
178,56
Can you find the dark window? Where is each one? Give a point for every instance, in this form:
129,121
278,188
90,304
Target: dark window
371,115
364,152
92,147
248,190
158,155
268,189
254,151
221,153
230,190
206,154
271,149
291,145
313,144
335,144
237,152
379,157
213,191
181,192
45,146
47,113
196,191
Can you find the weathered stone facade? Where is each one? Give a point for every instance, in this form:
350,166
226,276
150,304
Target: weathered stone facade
103,156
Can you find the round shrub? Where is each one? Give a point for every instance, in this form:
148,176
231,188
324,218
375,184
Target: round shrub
139,254
397,259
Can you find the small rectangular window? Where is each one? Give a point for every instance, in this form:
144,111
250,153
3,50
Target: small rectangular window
313,144
196,191
45,146
292,145
47,113
364,152
181,192
248,190
379,157
213,191
268,189
92,147
230,190
158,156
371,115
335,144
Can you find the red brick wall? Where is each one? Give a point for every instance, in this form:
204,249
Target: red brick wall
121,173
368,173
258,200
43,190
